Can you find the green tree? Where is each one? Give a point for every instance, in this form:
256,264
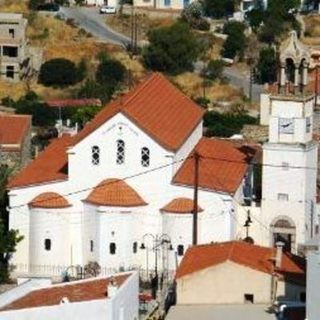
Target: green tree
235,43
31,104
233,27
172,49
34,4
218,8
93,89
214,69
193,15
267,66
8,238
59,72
110,73
226,124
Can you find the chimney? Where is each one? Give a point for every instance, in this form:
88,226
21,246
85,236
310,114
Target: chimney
279,246
112,287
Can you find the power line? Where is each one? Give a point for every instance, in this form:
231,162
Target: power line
248,163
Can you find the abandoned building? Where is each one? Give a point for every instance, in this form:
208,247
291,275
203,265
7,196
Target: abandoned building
14,57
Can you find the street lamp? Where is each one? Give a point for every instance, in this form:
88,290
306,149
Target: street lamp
158,242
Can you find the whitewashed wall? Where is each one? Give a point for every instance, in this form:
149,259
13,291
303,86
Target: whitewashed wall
124,305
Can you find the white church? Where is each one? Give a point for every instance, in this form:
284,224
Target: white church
120,192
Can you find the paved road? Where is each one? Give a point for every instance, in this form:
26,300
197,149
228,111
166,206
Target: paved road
93,22
241,80
238,80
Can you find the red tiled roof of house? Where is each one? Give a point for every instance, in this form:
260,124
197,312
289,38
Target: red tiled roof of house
83,290
62,103
222,165
158,108
256,257
49,200
50,165
13,129
115,192
180,205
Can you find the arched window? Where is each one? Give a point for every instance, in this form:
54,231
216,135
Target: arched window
180,250
47,244
112,248
95,155
145,157
135,247
120,151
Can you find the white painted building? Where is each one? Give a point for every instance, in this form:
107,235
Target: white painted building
125,180
113,298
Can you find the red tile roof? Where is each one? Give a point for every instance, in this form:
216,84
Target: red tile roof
49,200
157,107
180,205
115,192
62,103
256,257
83,290
50,165
222,165
13,129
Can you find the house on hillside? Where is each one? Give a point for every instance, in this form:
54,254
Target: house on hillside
120,192
15,140
237,272
14,58
114,297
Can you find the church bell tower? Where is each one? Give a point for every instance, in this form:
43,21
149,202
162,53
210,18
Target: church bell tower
289,171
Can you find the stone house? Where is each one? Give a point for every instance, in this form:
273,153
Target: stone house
15,140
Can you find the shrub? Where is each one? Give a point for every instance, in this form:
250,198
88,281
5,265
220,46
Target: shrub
110,72
214,69
59,72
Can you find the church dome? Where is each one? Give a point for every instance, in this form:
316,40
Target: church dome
179,205
116,193
50,200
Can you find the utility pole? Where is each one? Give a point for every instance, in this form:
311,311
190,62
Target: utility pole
195,198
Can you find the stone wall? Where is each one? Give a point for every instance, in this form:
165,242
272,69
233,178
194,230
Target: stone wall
255,133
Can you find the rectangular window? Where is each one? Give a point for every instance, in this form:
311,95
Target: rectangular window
167,3
112,248
10,72
135,247
11,33
91,245
283,197
47,244
11,52
180,250
248,298
285,165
